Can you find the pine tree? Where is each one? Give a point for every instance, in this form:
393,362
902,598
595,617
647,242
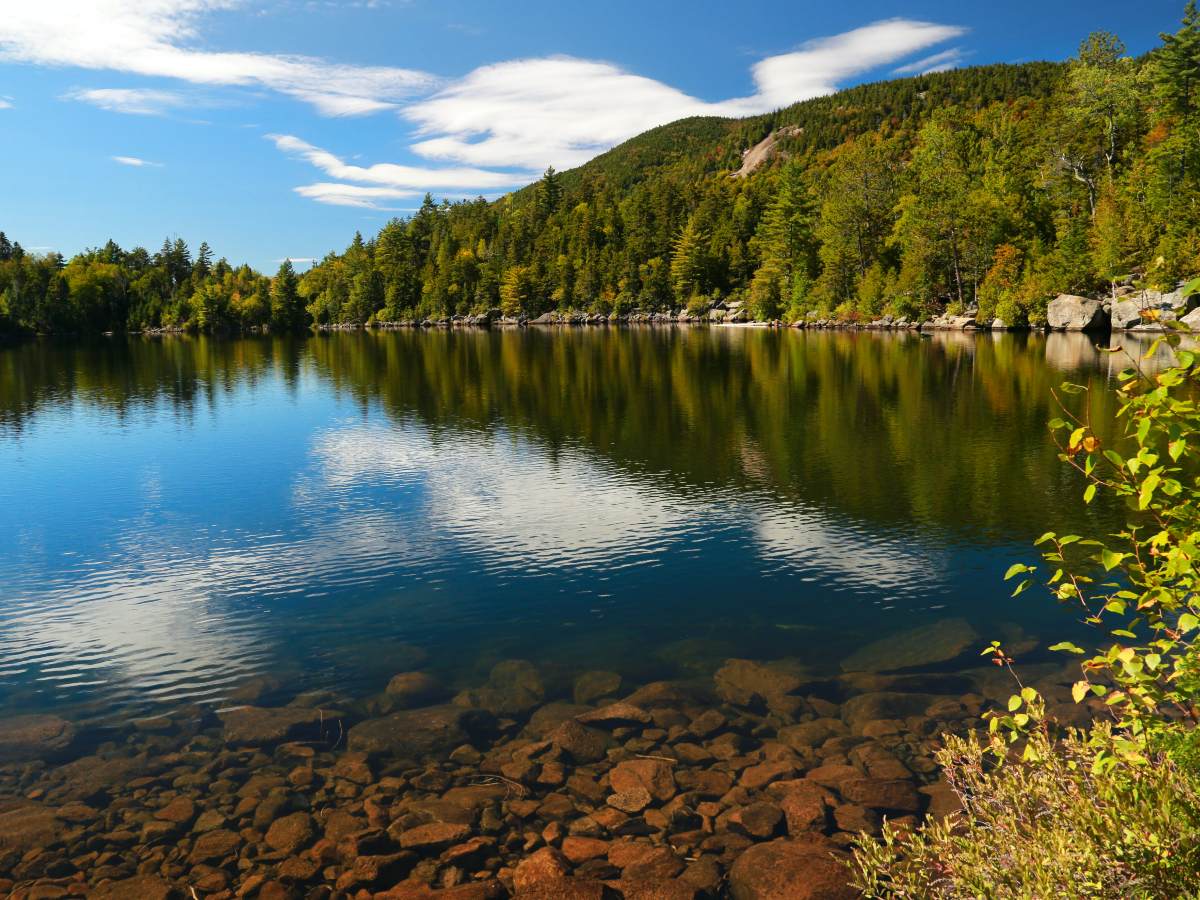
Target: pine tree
287,309
1178,73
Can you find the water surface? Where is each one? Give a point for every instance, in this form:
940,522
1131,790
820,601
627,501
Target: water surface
178,515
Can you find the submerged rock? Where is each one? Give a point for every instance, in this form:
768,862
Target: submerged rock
420,733
256,725
33,737
922,646
809,869
409,689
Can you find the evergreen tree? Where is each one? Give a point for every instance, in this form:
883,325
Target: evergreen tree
287,310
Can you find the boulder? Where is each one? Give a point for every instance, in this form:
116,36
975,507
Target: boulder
654,775
812,868
755,685
140,887
417,734
857,711
409,689
1192,320
256,725
583,744
514,688
1068,312
926,645
23,738
591,686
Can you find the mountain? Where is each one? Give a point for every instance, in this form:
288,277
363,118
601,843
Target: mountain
992,188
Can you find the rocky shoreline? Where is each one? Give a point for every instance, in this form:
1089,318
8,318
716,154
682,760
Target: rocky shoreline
750,782
1135,311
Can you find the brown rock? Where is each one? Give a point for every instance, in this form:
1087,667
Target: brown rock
923,646
758,820
744,682
640,862
757,777
581,849
864,708
658,889
943,801
854,818
140,887
411,689
805,805
615,715
811,734
418,734
591,686
541,870
877,793
788,869
434,835
583,744
33,737
654,775
180,811
254,725
298,868
291,833
214,846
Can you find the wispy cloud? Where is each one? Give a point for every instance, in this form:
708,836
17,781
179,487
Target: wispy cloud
136,162
5,102
154,38
385,181
134,101
562,110
939,62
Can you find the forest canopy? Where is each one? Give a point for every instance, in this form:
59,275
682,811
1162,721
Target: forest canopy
996,187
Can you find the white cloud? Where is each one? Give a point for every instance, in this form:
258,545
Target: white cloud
384,181
136,162
156,38
135,101
562,111
336,194
5,102
939,62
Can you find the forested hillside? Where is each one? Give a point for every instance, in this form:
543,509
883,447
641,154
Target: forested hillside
998,186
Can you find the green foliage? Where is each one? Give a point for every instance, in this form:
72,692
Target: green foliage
890,197
1056,825
1113,811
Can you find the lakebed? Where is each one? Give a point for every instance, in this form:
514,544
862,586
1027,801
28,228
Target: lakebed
528,611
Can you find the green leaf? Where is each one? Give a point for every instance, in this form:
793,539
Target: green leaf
1014,703
1187,622
1089,493
1111,559
1066,647
1016,569
1080,690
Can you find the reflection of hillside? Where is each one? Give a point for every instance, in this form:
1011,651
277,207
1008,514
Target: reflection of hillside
948,430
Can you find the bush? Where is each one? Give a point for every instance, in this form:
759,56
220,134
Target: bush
1053,825
1113,811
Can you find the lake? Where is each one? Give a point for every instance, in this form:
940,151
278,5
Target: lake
179,515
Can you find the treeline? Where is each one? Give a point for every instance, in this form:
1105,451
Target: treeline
996,186
110,289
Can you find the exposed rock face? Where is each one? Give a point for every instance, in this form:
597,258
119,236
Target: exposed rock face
33,737
255,725
928,644
1068,312
791,870
1192,319
416,734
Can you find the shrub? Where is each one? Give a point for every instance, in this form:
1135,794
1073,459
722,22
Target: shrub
1113,811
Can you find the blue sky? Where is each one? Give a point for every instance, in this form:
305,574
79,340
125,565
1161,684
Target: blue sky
276,128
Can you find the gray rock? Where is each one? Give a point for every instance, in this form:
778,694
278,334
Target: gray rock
255,725
1192,319
1068,312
